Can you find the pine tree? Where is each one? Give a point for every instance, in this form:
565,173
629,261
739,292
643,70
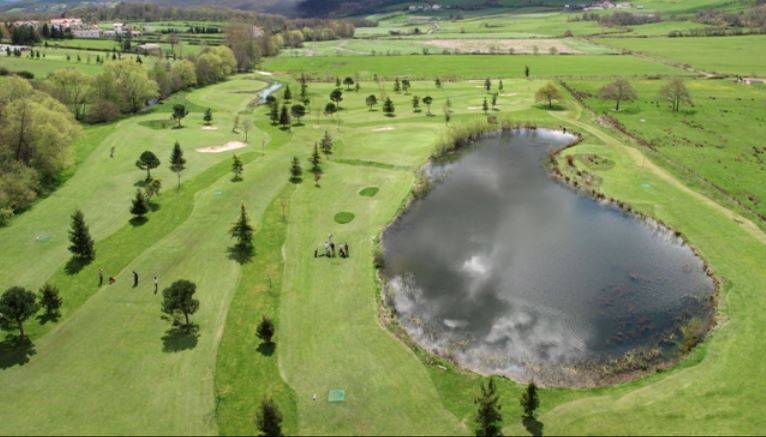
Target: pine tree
485,106
296,171
79,237
284,118
269,419
315,161
50,299
494,100
140,207
337,82
326,143
274,113
265,330
438,83
208,118
388,107
177,161
242,231
487,84
529,400
397,85
488,417
288,94
500,85
415,104
237,167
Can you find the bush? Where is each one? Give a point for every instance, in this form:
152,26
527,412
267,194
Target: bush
103,111
25,74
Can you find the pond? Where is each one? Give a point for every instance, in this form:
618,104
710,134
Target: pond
505,270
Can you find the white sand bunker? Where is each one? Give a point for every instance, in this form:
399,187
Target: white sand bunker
383,129
231,145
209,127
474,108
265,73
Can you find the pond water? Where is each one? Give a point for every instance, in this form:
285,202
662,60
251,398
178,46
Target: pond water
507,271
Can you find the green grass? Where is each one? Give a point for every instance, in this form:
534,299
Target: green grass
344,217
469,66
736,55
369,191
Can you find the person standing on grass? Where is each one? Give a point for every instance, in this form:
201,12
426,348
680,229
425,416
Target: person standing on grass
100,277
135,279
156,284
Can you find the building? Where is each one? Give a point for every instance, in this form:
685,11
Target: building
67,23
149,49
91,33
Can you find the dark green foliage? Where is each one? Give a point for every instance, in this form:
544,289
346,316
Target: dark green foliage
266,330
269,419
406,85
242,231
298,111
17,304
485,106
152,188
237,167
487,84
208,118
348,81
79,236
428,100
284,117
315,161
438,83
274,113
416,103
50,299
336,96
326,143
494,100
529,400
397,85
500,85
388,107
371,101
288,95
140,207
148,161
177,161
488,417
179,299
296,171
330,109
179,112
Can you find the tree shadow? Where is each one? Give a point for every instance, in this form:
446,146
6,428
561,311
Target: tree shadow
138,221
236,179
180,338
267,349
154,206
75,265
15,351
534,426
242,256
553,107
141,184
49,317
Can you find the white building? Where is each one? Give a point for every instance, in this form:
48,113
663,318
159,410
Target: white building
91,33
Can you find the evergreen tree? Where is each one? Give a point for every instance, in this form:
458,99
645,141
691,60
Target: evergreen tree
139,207
266,330
529,400
406,85
50,299
526,71
388,107
326,143
284,117
315,161
337,82
269,419
487,84
296,171
208,118
494,100
357,87
488,417
397,85
177,162
288,94
237,167
17,305
485,106
179,112
438,83
148,161
242,231
79,237
336,96
415,104
178,299
500,85
274,113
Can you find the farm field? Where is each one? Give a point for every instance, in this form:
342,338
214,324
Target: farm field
735,55
470,66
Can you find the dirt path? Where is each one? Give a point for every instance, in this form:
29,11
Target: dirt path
639,158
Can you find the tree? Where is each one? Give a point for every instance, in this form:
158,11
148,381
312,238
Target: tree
371,101
148,161
526,71
152,188
17,305
487,84
247,126
81,245
500,85
397,85
336,96
177,161
298,111
128,83
415,104
326,143
488,417
388,107
296,171
242,231
406,85
315,161
284,117
485,106
675,93
72,88
274,113
242,41
178,299
618,90
265,330
208,118
179,112
529,400
139,207
183,74
337,82
494,100
348,81
438,83
50,299
237,167
548,93
428,100
330,109
288,95
269,419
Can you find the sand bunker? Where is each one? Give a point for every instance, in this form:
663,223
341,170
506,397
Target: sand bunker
383,129
209,127
265,73
231,145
